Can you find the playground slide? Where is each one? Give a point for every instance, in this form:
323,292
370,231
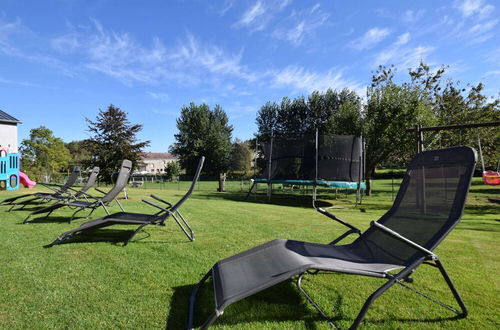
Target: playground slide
25,181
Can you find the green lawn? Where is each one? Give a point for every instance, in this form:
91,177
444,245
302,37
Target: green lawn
94,282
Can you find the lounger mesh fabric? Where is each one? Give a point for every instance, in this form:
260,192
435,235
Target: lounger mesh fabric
427,207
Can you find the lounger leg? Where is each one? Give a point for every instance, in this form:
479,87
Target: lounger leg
453,290
74,213
211,319
448,280
135,232
189,235
402,274
308,297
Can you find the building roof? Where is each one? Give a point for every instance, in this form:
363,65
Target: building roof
157,155
6,118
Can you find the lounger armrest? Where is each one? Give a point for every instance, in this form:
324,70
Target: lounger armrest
403,239
99,190
161,200
49,186
154,205
333,217
86,195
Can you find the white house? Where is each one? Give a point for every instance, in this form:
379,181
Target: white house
155,162
8,132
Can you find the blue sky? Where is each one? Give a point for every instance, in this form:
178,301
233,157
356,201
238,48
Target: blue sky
61,61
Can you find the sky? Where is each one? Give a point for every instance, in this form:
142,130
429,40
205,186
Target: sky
63,60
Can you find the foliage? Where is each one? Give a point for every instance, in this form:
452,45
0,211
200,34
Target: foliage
43,155
113,138
332,112
241,157
172,171
79,153
390,110
203,132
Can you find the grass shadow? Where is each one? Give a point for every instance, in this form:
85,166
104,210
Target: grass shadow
281,199
114,236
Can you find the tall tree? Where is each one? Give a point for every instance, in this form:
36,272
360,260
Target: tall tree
113,138
44,156
241,157
204,132
390,110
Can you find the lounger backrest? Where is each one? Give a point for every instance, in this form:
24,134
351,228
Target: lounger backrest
191,188
71,180
120,183
90,181
428,206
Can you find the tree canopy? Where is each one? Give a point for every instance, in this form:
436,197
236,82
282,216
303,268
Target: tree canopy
389,110
113,138
44,156
203,132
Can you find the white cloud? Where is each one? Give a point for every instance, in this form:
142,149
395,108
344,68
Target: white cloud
258,16
250,16
412,16
403,39
479,32
403,57
369,39
120,56
301,25
228,4
302,79
163,97
470,8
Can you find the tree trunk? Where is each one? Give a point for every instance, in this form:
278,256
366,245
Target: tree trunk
222,181
368,190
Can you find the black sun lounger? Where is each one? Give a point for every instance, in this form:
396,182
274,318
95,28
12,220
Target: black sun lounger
103,201
427,207
139,219
76,195
39,197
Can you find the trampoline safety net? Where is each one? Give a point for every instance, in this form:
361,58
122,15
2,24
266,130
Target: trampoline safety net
294,158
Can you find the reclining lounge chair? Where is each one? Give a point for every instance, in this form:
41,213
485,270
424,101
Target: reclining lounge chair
428,206
140,219
77,194
81,205
41,197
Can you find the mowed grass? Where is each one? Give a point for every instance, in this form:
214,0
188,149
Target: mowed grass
93,282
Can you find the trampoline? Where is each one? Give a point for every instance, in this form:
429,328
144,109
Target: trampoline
326,160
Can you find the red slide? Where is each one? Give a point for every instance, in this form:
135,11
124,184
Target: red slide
25,181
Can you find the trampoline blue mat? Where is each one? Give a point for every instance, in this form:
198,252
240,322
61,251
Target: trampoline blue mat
322,183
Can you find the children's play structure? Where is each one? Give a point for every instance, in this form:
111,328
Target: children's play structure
10,176
9,170
489,177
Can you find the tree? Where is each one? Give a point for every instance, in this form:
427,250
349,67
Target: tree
113,138
79,153
172,170
204,132
241,157
43,155
390,110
